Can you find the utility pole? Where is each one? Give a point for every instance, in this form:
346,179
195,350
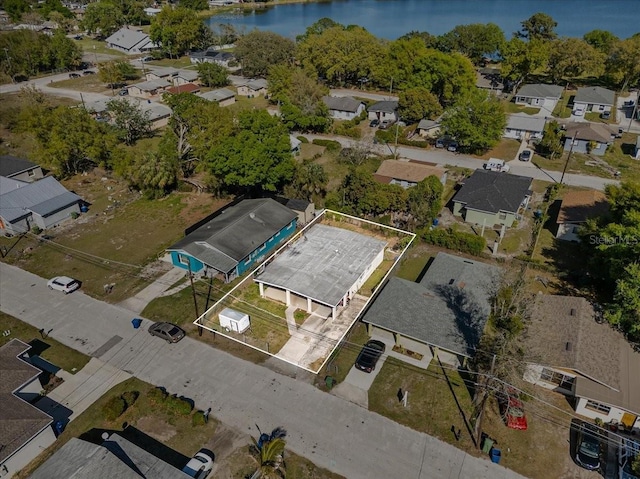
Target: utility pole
395,154
566,163
477,427
193,290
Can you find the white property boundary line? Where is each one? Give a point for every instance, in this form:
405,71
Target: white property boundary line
295,237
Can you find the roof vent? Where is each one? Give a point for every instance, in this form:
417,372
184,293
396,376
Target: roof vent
573,311
567,346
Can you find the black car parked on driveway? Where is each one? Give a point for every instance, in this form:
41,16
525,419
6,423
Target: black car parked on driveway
369,355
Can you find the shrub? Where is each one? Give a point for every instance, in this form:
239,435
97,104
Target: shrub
36,230
157,395
346,130
130,397
114,408
198,419
74,215
303,139
331,145
178,405
455,240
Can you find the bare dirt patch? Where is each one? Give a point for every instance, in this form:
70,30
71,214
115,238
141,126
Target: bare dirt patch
156,428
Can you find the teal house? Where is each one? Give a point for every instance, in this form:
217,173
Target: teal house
234,239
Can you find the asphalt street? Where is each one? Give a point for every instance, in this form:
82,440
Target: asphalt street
331,432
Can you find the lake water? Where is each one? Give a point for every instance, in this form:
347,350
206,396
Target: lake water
393,18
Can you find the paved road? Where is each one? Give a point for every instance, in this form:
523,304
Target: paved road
362,94
330,431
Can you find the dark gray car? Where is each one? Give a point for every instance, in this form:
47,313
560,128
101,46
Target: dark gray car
170,332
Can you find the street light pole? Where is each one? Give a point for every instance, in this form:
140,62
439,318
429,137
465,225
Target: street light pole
573,141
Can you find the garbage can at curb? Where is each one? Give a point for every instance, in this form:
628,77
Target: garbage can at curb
136,323
496,454
329,381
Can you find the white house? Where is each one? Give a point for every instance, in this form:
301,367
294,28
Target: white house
252,88
148,89
539,95
428,128
521,126
131,42
568,351
594,98
343,107
384,110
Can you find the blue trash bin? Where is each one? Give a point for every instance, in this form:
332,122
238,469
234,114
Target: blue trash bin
136,323
59,427
496,454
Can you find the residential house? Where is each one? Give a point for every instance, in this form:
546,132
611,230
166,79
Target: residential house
19,169
162,73
443,315
254,87
148,89
428,128
594,98
343,107
44,204
490,79
233,239
223,96
576,208
570,352
130,41
492,198
182,77
115,457
408,173
521,126
592,138
539,95
157,113
25,431
183,88
384,110
211,55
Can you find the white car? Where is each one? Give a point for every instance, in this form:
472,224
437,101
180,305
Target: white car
200,465
63,283
578,111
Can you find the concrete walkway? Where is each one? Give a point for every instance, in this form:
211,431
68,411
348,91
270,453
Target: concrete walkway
330,431
140,301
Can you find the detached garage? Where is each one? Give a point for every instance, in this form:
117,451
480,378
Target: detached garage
232,320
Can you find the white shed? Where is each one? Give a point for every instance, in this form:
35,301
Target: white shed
232,320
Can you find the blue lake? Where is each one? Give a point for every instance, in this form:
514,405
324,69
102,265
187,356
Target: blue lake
393,18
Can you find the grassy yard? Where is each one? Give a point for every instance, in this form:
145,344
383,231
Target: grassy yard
414,262
181,62
87,83
374,280
343,358
562,109
510,107
506,149
56,353
244,103
90,45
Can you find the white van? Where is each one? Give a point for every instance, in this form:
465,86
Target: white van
495,164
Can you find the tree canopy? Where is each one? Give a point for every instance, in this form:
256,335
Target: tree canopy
571,58
213,75
475,41
103,18
179,30
538,26
257,51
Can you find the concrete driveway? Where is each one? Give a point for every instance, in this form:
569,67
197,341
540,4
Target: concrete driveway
355,387
333,433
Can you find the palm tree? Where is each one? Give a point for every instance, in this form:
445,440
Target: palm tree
271,451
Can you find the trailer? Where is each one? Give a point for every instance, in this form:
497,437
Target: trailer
232,320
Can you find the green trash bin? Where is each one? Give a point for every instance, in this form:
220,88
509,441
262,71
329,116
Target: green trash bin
488,444
329,381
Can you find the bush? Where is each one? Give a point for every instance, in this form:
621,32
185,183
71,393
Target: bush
36,230
157,395
178,405
114,408
331,145
455,240
130,397
303,139
74,215
345,130
198,419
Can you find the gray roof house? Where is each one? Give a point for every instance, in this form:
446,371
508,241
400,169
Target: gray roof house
443,315
384,110
570,352
587,137
253,87
223,96
234,238
184,76
19,169
491,198
343,107
210,55
594,98
539,95
131,42
44,203
524,127
24,429
428,128
116,457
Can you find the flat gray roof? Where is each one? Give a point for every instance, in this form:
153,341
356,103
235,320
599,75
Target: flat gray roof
322,264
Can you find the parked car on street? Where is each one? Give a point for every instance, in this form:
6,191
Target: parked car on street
74,75
200,465
369,355
447,142
146,59
374,123
63,283
88,72
526,155
123,92
588,447
172,333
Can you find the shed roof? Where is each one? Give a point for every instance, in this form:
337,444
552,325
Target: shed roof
595,95
493,191
448,308
127,38
411,171
237,231
11,165
19,420
524,122
323,263
579,206
387,106
540,90
342,103
219,94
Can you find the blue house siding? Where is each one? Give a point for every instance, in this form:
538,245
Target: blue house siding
179,258
259,253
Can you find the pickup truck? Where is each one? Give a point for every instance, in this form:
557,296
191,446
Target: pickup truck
496,165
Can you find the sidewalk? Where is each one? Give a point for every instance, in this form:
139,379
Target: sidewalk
140,301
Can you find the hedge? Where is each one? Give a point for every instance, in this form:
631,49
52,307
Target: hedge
114,408
157,395
303,139
455,240
130,397
331,145
178,405
198,419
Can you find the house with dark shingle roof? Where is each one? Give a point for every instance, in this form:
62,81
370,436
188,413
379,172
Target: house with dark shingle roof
443,315
492,198
594,98
115,457
25,431
570,352
576,208
44,203
408,173
591,138
131,42
19,169
384,110
539,95
234,238
343,107
211,55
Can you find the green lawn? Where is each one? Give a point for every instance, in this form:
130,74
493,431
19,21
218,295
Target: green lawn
414,261
374,280
181,62
506,149
56,353
562,109
86,83
510,107
90,45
